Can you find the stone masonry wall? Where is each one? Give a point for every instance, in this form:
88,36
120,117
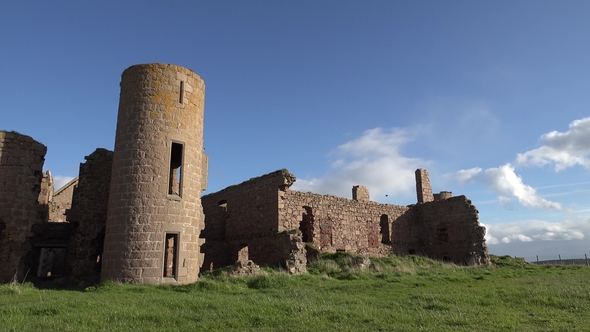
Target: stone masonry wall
21,173
62,201
334,223
242,220
46,192
242,215
423,188
88,216
447,230
360,193
155,214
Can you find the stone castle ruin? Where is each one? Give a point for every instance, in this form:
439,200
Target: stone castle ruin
137,214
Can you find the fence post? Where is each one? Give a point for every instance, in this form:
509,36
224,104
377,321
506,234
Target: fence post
537,259
586,259
559,258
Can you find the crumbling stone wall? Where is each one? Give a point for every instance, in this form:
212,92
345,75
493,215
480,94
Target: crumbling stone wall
46,192
334,223
251,214
243,220
360,193
88,216
245,216
21,174
443,195
423,188
447,230
62,201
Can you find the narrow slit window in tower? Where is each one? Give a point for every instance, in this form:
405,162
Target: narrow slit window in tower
181,95
170,255
175,182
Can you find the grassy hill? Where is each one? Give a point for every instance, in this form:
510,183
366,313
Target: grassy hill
393,294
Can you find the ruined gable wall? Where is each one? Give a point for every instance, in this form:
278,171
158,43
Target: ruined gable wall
88,216
445,230
423,188
338,223
46,192
62,201
21,173
244,215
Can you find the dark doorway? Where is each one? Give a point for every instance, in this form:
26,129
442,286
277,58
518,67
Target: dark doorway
384,223
306,224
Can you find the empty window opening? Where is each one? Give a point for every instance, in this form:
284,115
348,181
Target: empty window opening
222,204
243,253
442,234
384,223
175,182
170,255
306,225
181,94
51,262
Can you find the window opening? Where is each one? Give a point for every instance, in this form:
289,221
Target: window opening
175,182
306,225
51,262
442,234
170,255
181,94
384,223
243,253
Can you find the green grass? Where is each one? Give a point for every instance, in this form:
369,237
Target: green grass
394,294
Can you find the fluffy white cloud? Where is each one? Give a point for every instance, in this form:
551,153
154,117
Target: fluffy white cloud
467,175
536,230
373,160
562,150
60,181
507,185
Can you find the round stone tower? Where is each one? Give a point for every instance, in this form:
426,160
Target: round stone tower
159,171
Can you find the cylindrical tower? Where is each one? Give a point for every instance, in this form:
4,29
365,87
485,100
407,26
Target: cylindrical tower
154,213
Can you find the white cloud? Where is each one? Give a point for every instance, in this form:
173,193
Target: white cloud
373,160
562,150
507,185
536,230
466,175
60,181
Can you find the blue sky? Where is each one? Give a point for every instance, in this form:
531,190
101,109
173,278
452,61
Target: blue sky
491,97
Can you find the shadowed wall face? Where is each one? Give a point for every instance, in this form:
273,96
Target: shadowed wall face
156,183
21,175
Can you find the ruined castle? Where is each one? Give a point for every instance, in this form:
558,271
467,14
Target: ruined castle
137,214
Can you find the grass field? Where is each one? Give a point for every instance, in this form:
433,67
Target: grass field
394,294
